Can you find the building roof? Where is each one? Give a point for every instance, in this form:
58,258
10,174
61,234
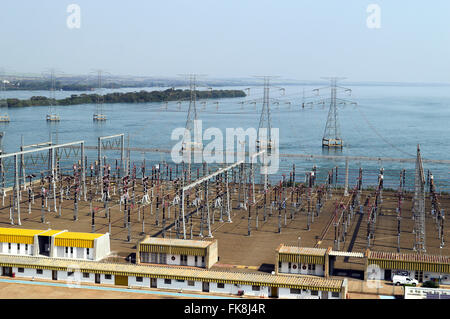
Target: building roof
180,273
283,249
400,261
176,242
51,232
303,255
19,235
75,235
74,239
409,257
175,246
62,237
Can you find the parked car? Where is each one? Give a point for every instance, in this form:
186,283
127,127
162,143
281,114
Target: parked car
404,280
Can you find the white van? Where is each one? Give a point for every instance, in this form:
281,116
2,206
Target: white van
404,280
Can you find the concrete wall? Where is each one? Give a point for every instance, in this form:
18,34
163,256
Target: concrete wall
299,269
101,247
233,289
32,273
14,249
212,254
306,294
177,260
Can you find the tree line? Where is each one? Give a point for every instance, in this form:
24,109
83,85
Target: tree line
126,97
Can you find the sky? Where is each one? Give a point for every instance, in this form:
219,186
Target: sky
293,39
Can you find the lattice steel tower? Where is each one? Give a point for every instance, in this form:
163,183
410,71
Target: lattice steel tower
52,115
419,205
332,133
98,115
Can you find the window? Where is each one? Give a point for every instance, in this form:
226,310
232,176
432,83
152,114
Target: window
279,264
167,281
85,275
313,266
162,258
26,247
9,246
196,259
20,270
335,294
289,265
139,279
256,288
309,267
108,277
87,251
180,280
69,273
154,258
67,250
191,283
18,247
203,259
71,250
220,285
295,291
183,259
314,292
39,271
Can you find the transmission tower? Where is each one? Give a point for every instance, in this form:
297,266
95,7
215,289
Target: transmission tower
419,205
191,116
332,134
52,116
98,115
4,117
265,121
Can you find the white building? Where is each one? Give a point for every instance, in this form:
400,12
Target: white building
54,243
181,252
419,266
301,260
172,278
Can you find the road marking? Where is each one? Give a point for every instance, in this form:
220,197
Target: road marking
54,284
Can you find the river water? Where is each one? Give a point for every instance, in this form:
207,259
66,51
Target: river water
388,121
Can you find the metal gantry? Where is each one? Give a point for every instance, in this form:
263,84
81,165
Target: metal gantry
419,205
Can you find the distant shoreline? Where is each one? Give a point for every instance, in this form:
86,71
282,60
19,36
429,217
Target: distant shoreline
124,97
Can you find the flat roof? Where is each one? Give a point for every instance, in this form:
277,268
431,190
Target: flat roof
51,232
180,273
75,235
20,231
176,242
283,249
392,256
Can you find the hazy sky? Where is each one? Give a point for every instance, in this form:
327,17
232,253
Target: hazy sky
296,39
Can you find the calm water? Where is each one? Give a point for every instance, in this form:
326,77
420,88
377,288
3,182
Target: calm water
389,121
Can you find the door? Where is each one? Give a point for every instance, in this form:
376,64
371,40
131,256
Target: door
153,283
205,287
7,271
324,294
121,280
97,278
274,292
418,275
54,275
387,274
